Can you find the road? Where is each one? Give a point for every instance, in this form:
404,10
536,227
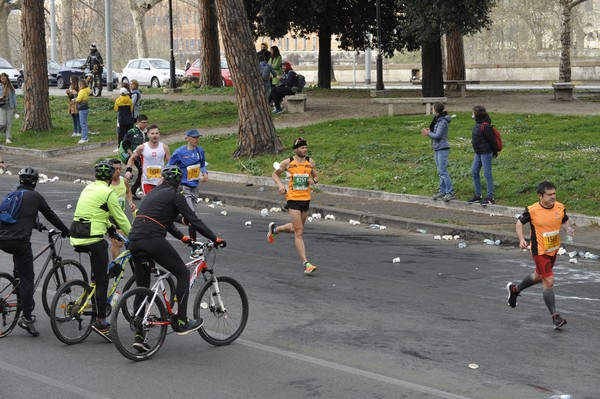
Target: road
362,327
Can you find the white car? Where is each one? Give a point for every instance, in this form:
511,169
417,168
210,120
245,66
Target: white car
151,72
13,74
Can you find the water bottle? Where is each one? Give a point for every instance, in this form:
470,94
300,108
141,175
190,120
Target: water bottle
488,241
570,232
115,299
560,397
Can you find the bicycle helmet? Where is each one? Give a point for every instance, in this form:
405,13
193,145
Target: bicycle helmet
104,170
93,47
172,175
28,176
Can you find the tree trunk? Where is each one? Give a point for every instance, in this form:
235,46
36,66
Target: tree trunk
565,40
455,58
431,59
66,31
256,132
36,97
210,52
4,37
325,73
138,14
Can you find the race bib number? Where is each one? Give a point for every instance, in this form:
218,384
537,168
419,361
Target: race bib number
551,240
153,172
300,182
193,172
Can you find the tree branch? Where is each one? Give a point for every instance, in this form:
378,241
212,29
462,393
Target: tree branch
575,3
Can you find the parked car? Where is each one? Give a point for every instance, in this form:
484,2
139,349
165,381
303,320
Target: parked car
151,72
194,70
13,74
53,68
73,67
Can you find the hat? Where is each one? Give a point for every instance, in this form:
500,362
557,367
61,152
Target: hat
299,142
124,90
192,133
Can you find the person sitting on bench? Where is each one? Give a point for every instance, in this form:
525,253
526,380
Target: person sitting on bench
287,82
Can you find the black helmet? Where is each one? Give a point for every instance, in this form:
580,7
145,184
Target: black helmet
104,170
28,176
93,47
172,175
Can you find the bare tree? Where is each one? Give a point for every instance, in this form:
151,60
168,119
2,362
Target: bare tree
138,9
36,97
5,9
66,30
210,53
256,132
565,39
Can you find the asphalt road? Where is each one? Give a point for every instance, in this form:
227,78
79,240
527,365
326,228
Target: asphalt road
362,327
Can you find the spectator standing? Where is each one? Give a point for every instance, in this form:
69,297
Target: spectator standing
136,97
188,64
485,147
124,108
82,103
264,52
547,217
276,62
135,136
287,82
267,73
154,157
72,91
15,239
7,111
191,161
438,132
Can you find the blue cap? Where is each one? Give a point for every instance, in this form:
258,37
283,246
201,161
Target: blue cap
192,133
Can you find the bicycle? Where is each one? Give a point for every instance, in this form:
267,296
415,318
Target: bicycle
221,302
94,81
60,272
73,309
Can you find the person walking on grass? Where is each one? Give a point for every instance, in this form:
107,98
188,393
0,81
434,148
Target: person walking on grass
547,217
438,132
486,149
7,111
303,174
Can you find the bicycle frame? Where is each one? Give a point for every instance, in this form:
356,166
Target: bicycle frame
52,256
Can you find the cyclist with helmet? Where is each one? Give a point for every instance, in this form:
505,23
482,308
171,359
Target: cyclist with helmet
15,239
161,207
95,59
91,220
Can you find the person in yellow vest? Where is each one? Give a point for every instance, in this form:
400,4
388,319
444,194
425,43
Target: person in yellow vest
303,174
547,217
120,186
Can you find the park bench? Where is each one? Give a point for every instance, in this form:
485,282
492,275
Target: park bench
462,84
428,101
296,104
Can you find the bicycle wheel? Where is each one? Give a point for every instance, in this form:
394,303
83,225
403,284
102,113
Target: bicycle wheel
96,87
148,320
60,273
222,326
73,312
10,306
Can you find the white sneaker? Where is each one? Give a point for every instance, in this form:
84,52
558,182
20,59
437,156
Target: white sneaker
116,151
82,141
8,141
76,134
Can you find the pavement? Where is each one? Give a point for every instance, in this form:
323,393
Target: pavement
394,211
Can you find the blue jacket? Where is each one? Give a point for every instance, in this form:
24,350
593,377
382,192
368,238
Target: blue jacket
439,136
11,98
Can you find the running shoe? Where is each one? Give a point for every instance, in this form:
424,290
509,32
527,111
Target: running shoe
437,196
141,343
271,233
488,201
512,294
102,329
476,198
448,197
558,321
309,268
277,111
184,327
29,325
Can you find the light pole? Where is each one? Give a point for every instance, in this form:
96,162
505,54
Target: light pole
172,60
379,85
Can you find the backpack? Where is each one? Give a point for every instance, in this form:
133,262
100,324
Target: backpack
265,72
10,206
301,82
496,134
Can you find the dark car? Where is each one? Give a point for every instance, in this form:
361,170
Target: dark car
194,70
53,68
73,67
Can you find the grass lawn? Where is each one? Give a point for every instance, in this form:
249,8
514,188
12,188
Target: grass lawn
383,153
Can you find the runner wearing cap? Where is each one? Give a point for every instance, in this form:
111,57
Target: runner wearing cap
190,159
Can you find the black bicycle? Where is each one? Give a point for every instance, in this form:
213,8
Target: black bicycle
61,271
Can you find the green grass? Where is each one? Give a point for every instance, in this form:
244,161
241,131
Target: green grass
383,153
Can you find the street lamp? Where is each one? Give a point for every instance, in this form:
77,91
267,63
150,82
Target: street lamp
172,61
379,85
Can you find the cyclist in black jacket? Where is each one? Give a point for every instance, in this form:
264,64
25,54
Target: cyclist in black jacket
15,239
161,207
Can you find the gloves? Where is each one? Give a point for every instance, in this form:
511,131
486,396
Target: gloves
220,243
65,234
187,240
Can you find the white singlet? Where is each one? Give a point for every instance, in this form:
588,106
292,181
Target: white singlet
153,161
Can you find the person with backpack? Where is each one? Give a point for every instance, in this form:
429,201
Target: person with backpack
438,132
266,72
286,85
15,239
135,137
486,149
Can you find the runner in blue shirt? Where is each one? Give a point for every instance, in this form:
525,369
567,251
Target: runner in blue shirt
190,159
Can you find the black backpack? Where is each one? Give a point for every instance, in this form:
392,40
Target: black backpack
301,82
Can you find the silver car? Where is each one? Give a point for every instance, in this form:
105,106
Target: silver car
151,72
13,74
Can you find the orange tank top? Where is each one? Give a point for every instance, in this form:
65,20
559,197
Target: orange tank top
299,189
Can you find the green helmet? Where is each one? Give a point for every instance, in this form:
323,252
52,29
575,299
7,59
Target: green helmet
104,170
172,175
